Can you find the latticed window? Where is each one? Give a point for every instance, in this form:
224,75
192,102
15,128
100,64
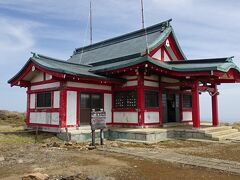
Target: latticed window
151,99
44,99
125,99
187,101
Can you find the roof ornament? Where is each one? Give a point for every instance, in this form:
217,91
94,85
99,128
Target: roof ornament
34,55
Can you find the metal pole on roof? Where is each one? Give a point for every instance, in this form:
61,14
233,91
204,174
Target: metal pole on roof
90,19
142,14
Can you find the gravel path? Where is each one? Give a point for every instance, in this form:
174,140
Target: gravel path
173,157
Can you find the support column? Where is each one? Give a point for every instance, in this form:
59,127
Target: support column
195,105
140,99
63,106
215,121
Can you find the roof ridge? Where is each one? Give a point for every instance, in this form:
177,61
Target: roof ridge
208,60
151,29
38,56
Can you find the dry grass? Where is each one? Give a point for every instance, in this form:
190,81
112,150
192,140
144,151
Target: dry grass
12,118
236,125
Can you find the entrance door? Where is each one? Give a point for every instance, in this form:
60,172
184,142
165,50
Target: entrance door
170,105
89,101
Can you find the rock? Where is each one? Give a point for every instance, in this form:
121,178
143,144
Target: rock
114,145
91,147
35,176
19,161
68,143
55,144
2,158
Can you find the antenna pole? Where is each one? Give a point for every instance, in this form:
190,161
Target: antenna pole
142,14
90,19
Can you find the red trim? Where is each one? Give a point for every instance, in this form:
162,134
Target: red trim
127,88
63,107
28,109
88,90
46,125
151,88
140,99
186,109
149,124
45,110
78,110
186,121
132,79
125,110
43,82
175,49
133,124
44,90
152,109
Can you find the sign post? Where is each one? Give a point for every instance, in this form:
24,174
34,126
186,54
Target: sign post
98,121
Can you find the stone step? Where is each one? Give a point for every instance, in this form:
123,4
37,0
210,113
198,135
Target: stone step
226,136
222,132
215,129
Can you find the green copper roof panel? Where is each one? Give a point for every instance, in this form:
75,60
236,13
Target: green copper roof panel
132,43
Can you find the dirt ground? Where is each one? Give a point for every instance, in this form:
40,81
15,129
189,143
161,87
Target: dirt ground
21,154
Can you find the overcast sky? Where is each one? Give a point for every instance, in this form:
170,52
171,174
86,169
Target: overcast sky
204,29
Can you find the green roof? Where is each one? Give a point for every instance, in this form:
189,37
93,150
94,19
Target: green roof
221,64
63,66
125,45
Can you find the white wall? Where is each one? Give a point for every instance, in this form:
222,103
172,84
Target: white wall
187,116
38,77
51,118
45,86
32,101
71,107
88,85
56,100
125,117
108,107
151,117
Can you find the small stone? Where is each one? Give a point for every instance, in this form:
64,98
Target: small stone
135,166
91,147
2,158
68,143
35,176
55,144
20,161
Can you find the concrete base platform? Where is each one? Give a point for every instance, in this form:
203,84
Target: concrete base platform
143,135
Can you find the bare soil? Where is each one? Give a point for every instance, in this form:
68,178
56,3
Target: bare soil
21,154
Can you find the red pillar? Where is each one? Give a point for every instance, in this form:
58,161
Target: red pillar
215,121
63,106
140,99
195,105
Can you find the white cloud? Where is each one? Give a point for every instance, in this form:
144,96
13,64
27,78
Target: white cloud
14,35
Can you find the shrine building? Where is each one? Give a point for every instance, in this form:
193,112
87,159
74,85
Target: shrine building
140,79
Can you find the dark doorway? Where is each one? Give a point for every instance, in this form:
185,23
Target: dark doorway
170,105
89,101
